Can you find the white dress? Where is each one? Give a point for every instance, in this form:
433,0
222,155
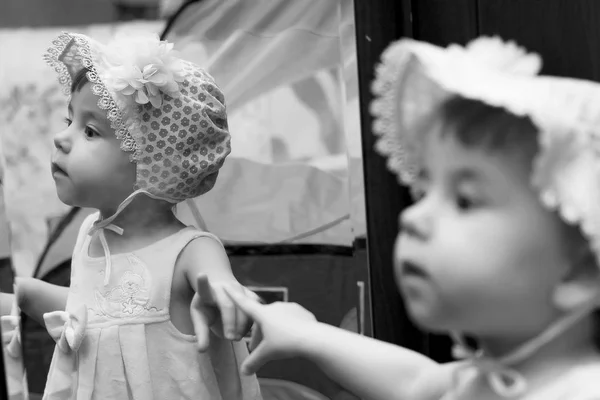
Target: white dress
117,341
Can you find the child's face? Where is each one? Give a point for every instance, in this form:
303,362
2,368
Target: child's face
478,253
89,168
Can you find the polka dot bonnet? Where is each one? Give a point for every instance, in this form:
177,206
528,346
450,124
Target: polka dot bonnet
168,113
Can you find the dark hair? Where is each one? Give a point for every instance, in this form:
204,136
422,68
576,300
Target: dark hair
478,125
79,80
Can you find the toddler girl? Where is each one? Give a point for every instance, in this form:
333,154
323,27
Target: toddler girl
145,130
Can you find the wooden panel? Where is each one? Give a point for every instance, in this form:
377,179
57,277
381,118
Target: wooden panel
443,22
377,24
565,32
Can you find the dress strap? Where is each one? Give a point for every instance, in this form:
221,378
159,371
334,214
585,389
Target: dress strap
183,238
84,230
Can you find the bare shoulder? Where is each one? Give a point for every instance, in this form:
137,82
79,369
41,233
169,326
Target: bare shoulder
202,248
204,254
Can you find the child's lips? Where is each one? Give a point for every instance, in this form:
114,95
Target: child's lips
413,280
57,170
412,269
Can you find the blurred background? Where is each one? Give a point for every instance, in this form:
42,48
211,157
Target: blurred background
289,202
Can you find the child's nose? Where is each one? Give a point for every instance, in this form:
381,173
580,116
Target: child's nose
415,221
62,141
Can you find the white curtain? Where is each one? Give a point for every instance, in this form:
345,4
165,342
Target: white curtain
288,71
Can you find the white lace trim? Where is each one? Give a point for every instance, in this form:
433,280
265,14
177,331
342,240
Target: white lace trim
383,108
83,55
567,118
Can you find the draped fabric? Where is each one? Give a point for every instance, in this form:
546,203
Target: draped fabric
288,69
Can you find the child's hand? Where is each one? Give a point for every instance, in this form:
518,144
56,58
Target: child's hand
278,331
212,309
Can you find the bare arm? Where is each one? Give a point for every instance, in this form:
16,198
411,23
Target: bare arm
369,368
212,309
372,369
36,297
205,255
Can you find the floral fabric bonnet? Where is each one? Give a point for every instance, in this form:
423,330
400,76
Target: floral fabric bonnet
168,113
415,78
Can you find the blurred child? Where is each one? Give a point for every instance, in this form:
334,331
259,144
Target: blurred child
502,244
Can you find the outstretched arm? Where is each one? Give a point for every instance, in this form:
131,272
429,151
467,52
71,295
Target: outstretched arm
211,308
369,368
373,369
36,297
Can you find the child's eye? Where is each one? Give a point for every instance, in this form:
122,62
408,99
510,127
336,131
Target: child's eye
89,132
465,203
68,121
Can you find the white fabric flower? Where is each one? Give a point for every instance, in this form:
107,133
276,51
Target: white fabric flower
504,56
143,68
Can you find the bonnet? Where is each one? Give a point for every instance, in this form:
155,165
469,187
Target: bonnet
415,78
168,113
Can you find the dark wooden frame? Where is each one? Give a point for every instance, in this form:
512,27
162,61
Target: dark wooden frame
377,24
564,32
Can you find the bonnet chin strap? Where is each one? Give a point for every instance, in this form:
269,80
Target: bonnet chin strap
98,230
506,381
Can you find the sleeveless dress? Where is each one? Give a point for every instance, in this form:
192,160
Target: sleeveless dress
117,341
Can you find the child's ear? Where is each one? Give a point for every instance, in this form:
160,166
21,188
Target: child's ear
581,285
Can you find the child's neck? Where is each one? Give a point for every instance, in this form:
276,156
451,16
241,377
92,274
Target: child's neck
142,214
572,347
144,221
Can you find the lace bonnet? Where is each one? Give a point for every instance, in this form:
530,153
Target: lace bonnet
414,78
168,113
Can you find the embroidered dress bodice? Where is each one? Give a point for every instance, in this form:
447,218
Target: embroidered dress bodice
118,341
